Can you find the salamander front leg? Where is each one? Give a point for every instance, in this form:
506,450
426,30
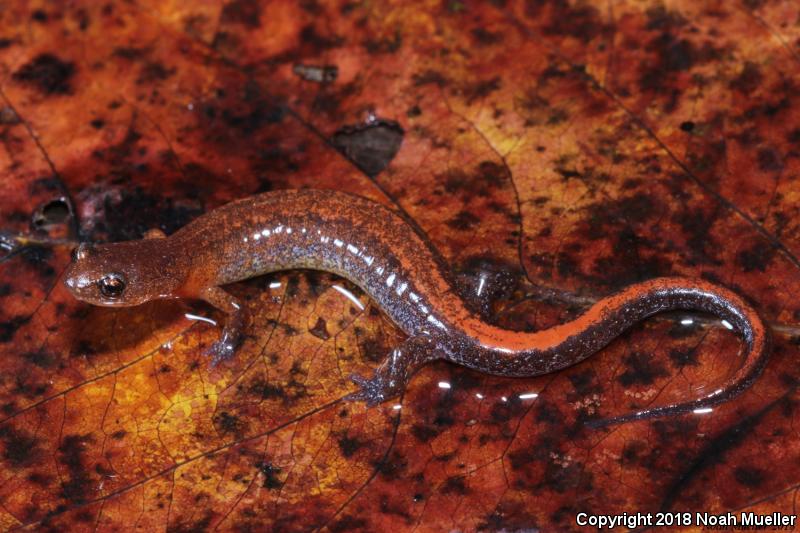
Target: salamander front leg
391,377
236,320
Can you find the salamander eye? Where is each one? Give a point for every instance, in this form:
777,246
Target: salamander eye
112,286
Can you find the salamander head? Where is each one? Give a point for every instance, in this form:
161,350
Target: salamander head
124,273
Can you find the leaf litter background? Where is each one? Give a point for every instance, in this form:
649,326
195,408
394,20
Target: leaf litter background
581,146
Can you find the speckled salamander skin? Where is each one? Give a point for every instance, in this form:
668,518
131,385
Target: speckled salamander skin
375,248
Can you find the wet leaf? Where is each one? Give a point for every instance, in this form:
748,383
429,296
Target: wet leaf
573,146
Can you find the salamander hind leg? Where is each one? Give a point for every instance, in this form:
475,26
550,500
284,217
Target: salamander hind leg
236,320
483,284
392,376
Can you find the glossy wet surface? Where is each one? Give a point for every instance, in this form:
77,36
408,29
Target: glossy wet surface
581,149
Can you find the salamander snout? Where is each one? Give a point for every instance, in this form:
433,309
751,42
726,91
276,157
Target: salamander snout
118,274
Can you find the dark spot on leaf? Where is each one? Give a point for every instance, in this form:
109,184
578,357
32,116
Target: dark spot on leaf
632,452
757,257
769,160
153,72
687,126
48,74
429,77
443,411
83,349
455,485
684,357
696,224
247,116
503,411
392,467
41,358
82,15
10,327
349,523
609,217
514,515
26,385
270,472
413,111
297,369
21,449
675,54
583,382
445,458
320,330
187,525
749,79
229,423
424,432
244,12
310,37
485,37
481,89
581,20
38,258
713,453
39,15
265,390
548,413
130,52
350,445
40,479
98,123
464,221
387,45
749,476
567,478
640,370
78,488
522,458
660,18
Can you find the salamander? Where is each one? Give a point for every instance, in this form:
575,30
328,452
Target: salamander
379,251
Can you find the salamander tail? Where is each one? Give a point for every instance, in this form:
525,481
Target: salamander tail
735,314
